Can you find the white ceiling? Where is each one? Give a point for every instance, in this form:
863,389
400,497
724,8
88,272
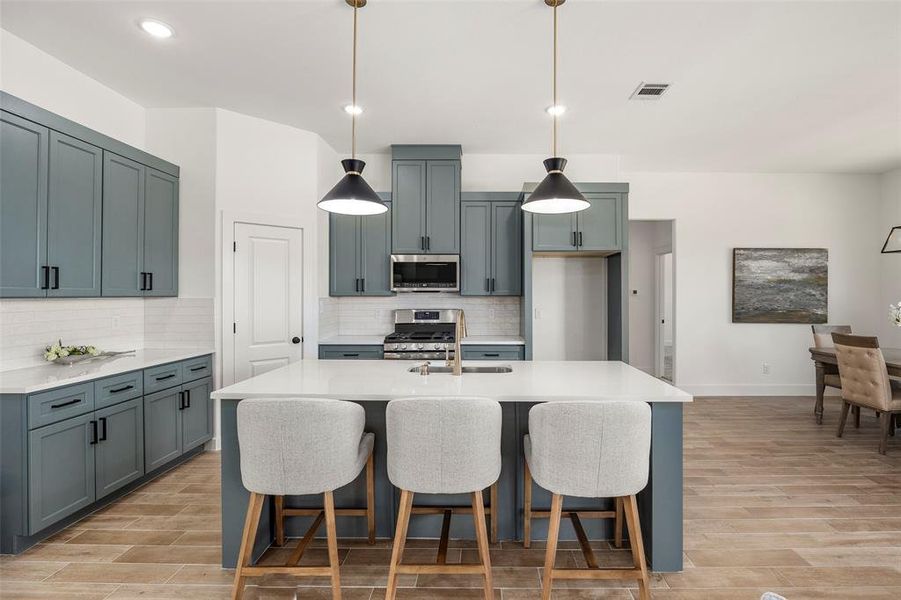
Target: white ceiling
782,86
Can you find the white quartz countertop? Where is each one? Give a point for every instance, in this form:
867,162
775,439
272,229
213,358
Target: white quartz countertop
45,377
378,340
530,381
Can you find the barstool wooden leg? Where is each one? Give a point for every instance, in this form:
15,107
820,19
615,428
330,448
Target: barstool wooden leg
478,513
400,539
370,498
279,520
251,522
527,506
550,555
492,505
637,544
618,524
332,536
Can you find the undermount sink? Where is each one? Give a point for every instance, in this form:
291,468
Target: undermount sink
443,369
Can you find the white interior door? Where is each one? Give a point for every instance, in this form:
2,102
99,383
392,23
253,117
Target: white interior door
268,298
664,309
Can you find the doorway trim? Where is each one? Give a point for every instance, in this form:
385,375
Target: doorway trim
660,312
227,313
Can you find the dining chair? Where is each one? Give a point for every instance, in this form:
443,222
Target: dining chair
822,338
866,383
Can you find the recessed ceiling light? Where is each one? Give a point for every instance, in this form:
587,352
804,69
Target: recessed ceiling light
555,110
353,109
157,29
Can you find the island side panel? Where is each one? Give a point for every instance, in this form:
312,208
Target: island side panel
660,504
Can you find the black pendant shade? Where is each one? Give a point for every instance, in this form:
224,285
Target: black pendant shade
555,194
893,241
352,195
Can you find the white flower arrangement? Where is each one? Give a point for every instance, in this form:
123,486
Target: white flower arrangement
56,351
894,313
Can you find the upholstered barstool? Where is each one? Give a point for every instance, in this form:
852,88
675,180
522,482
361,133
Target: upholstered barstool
591,450
442,446
298,447
866,383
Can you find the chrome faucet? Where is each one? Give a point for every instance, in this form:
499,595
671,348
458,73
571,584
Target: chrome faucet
459,334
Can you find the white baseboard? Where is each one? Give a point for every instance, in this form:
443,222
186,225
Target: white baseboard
753,389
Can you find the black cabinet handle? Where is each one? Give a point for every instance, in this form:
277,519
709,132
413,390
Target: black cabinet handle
351,354
187,398
181,400
574,239
121,389
493,284
363,284
195,369
422,242
487,284
150,277
580,238
93,432
164,377
45,272
55,278
490,354
69,403
143,281
102,429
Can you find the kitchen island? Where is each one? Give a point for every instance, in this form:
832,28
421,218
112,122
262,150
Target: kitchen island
373,383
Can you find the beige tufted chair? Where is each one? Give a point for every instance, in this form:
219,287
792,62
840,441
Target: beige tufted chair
865,382
822,338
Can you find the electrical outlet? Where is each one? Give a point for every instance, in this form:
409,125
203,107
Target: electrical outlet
117,321
766,368
537,314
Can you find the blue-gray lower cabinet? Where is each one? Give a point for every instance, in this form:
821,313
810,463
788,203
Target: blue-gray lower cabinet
162,428
197,414
60,470
498,352
347,352
119,451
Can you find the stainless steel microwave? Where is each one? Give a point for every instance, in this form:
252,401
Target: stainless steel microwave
425,273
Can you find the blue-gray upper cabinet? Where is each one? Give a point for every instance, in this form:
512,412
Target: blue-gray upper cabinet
491,249
160,234
74,213
123,226
119,451
23,207
597,228
426,198
60,470
359,252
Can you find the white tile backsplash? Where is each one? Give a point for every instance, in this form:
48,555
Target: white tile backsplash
485,315
28,325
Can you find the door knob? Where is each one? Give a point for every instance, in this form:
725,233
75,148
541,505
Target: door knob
295,340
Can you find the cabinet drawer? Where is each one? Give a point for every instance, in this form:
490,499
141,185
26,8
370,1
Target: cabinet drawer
49,407
162,377
113,390
197,368
351,352
493,352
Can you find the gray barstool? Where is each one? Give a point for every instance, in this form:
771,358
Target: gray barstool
298,446
442,446
590,450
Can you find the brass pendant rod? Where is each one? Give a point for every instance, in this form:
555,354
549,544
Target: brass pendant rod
555,110
353,112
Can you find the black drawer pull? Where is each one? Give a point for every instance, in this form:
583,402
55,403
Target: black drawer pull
46,284
69,403
150,286
121,389
181,400
351,354
187,398
102,429
55,278
164,377
491,354
194,369
93,432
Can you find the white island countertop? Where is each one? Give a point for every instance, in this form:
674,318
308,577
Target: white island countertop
378,340
48,376
530,381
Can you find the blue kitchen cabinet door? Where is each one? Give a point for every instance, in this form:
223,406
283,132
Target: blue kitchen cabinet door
344,255
506,249
197,416
119,451
162,428
123,225
24,158
74,216
554,233
375,254
408,196
161,233
475,249
442,228
600,226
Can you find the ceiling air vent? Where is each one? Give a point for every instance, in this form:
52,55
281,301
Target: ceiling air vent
649,91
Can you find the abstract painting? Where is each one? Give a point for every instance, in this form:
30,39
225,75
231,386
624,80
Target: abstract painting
780,285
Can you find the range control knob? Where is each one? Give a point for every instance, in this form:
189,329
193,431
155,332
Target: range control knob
419,346
403,346
437,346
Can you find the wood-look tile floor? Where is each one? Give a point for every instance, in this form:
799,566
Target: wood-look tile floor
772,502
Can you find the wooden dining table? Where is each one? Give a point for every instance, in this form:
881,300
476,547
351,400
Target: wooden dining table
825,362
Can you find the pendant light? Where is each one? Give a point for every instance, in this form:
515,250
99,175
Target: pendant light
352,195
555,194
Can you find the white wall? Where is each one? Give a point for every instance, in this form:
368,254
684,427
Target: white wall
716,212
889,264
35,76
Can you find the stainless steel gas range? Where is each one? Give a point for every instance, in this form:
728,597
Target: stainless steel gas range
422,334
